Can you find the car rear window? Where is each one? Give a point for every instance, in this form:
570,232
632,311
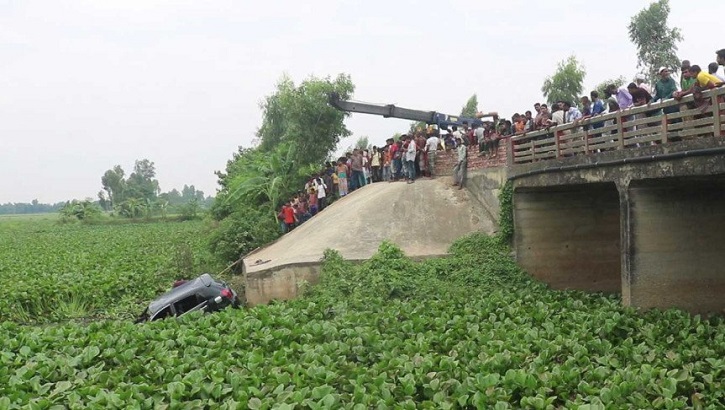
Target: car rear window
188,303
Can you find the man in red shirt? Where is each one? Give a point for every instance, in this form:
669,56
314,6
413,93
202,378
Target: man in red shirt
289,216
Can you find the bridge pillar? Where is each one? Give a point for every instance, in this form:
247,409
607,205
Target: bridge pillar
673,244
569,236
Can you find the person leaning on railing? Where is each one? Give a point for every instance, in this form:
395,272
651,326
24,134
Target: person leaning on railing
665,88
703,81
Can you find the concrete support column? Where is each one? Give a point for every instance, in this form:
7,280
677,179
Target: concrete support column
625,235
676,255
568,236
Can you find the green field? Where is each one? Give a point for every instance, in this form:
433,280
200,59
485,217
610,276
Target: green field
52,272
471,331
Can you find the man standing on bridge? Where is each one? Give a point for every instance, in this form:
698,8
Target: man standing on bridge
665,89
431,147
461,168
721,57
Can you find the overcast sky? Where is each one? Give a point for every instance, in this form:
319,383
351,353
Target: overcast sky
85,85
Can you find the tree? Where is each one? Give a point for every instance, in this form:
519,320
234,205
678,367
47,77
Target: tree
269,177
362,143
471,107
172,197
656,43
131,208
566,83
190,210
141,183
80,210
114,184
163,206
299,130
103,201
415,127
300,116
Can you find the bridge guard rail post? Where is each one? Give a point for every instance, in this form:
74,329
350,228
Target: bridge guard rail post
620,130
533,149
586,139
510,151
664,129
716,112
557,140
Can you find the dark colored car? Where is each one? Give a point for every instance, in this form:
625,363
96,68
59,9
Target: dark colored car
203,293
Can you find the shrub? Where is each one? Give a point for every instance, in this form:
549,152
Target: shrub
241,232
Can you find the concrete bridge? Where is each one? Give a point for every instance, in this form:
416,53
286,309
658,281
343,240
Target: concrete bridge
635,205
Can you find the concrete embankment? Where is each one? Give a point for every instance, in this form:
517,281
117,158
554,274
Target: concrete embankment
423,218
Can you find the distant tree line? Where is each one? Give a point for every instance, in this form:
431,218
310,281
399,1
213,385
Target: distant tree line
139,195
34,207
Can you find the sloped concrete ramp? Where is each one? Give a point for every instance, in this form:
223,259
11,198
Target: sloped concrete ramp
423,218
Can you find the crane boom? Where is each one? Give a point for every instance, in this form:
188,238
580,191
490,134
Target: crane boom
392,111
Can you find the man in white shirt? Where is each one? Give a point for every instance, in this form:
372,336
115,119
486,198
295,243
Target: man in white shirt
320,187
461,168
571,113
431,146
456,134
410,159
478,133
557,117
712,69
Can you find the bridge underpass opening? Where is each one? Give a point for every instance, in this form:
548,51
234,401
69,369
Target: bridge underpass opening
677,244
569,236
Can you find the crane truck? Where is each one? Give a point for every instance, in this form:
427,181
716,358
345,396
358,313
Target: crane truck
442,121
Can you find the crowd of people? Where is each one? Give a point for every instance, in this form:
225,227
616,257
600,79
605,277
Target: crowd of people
694,80
406,158
414,155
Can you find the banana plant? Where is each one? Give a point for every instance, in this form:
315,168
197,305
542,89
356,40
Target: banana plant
267,180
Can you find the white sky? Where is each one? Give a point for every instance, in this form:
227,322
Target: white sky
85,85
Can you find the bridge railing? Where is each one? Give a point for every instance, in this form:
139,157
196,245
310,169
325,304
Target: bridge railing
632,127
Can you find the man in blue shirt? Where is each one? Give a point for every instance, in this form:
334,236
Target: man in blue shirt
597,108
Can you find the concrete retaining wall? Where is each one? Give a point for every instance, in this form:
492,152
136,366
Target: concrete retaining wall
485,185
281,283
446,160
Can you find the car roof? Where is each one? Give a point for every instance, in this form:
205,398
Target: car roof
180,292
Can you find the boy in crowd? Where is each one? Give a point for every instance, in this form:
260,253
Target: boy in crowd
342,178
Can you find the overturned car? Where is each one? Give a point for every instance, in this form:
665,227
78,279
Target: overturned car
203,293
